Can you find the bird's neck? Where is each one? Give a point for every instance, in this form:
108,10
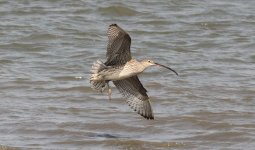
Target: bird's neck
136,65
131,68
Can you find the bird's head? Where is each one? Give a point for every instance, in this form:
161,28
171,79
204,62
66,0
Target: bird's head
147,63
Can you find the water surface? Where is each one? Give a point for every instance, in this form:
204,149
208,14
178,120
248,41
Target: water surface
47,49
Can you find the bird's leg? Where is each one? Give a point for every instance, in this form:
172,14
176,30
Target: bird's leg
109,91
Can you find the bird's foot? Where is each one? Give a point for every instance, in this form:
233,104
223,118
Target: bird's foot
109,91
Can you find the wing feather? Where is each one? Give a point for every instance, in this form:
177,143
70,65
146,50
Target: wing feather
118,47
135,95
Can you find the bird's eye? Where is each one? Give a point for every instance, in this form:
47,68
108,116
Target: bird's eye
149,61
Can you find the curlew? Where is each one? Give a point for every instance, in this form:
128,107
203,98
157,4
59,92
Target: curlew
122,70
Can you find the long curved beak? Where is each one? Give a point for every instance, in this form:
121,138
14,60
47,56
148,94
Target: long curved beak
167,68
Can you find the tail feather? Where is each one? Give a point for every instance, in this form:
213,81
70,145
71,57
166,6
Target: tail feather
96,68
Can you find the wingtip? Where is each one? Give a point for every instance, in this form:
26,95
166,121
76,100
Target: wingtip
146,116
142,107
149,117
114,24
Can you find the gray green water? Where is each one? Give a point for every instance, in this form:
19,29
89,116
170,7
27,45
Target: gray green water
47,48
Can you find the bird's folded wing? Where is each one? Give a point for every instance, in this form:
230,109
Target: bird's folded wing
136,96
118,47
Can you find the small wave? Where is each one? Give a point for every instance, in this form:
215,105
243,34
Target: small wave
117,10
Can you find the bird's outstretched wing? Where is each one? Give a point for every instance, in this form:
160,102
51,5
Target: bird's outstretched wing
118,48
136,96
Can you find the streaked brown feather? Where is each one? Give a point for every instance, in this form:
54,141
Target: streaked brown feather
118,48
135,95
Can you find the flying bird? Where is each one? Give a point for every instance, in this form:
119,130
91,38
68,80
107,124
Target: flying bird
122,70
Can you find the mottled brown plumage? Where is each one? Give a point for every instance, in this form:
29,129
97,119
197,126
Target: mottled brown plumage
122,70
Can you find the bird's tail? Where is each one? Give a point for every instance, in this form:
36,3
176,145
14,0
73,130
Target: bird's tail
95,81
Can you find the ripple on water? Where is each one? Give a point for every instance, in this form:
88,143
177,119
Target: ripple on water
117,11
